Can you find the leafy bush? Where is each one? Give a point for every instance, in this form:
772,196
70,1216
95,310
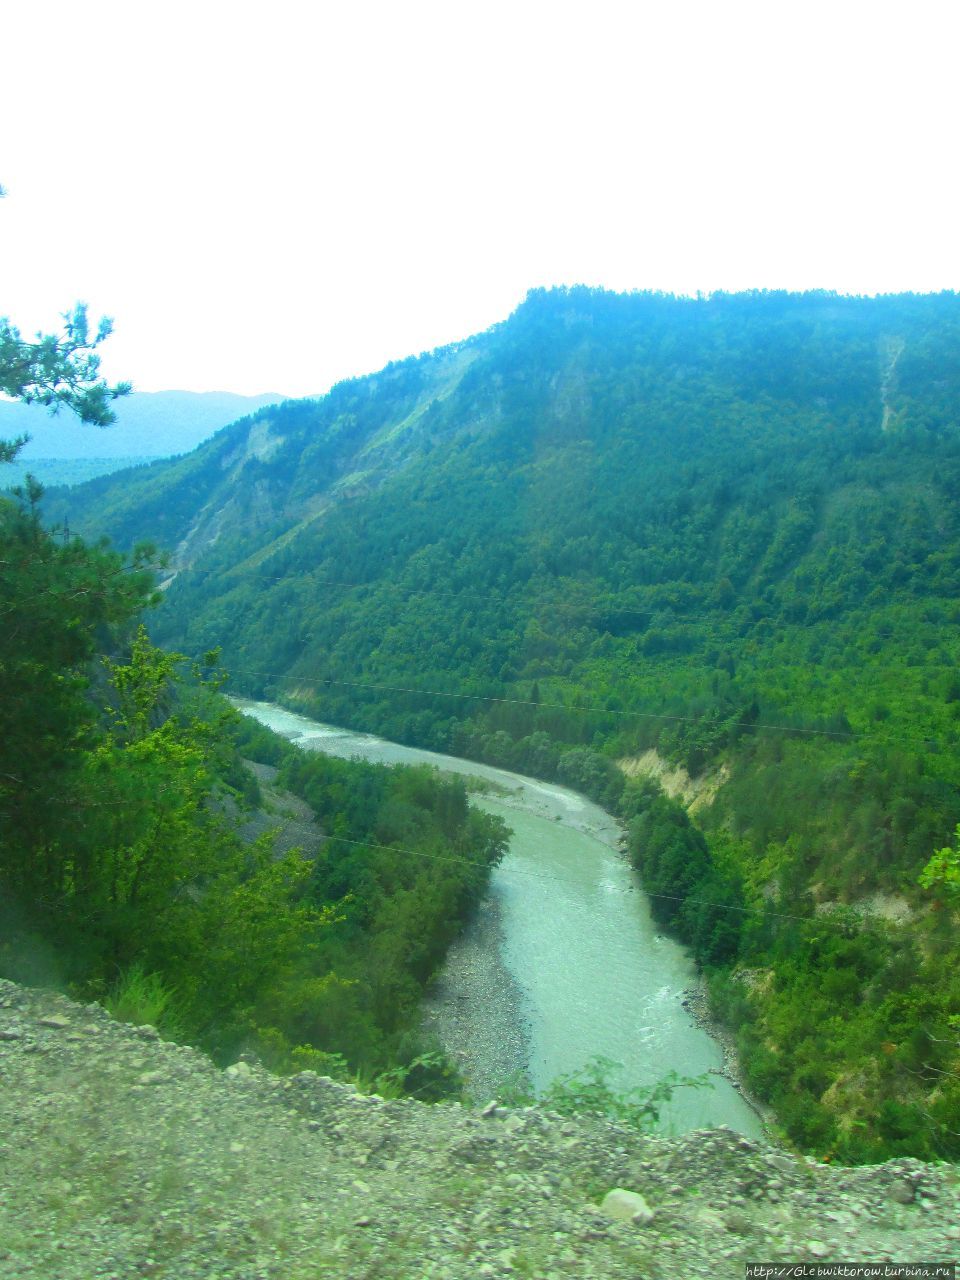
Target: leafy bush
589,1092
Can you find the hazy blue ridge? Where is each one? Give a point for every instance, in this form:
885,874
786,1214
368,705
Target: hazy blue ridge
150,424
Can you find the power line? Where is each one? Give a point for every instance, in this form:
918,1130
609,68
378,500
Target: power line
765,913
98,586
586,607
655,608
565,707
544,879
82,800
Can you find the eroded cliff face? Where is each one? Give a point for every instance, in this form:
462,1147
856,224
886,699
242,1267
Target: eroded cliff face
693,793
125,1156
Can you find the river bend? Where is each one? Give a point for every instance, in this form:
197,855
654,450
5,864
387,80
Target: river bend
593,974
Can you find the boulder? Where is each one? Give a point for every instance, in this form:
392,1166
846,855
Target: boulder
626,1206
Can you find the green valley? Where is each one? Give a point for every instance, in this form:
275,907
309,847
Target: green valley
725,528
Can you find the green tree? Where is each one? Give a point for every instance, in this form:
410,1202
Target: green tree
58,370
942,872
61,602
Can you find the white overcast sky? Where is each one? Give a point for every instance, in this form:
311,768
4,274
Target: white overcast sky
274,196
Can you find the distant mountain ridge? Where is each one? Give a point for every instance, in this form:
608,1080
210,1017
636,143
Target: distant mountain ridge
150,424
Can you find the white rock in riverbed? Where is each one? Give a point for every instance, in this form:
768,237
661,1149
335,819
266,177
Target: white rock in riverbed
627,1206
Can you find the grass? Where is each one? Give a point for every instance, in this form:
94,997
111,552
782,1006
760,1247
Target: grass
144,999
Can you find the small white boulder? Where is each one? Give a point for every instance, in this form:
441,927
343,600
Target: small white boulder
626,1206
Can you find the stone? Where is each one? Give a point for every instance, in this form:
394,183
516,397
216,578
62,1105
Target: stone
626,1206
902,1192
737,1222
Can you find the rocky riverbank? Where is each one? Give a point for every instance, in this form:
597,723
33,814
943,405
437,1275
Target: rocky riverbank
696,1001
124,1158
475,1007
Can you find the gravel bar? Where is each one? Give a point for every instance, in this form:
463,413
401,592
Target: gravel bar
475,1007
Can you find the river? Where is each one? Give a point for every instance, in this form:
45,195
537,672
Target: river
592,974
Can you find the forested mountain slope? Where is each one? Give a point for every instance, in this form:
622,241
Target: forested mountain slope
726,527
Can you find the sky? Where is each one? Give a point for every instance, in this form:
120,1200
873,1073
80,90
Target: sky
276,196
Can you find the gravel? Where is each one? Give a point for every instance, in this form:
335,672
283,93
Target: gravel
475,1007
122,1156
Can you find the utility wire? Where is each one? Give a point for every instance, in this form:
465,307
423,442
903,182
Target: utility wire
547,879
655,608
554,706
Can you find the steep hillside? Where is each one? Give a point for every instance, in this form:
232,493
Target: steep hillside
726,528
126,1156
271,475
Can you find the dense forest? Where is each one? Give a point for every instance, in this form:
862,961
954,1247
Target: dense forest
725,528
125,869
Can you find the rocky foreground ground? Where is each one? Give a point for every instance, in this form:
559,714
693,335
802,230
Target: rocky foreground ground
122,1156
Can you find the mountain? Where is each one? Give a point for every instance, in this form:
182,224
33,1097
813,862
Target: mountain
150,424
713,539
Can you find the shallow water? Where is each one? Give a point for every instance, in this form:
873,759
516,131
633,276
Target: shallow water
597,978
